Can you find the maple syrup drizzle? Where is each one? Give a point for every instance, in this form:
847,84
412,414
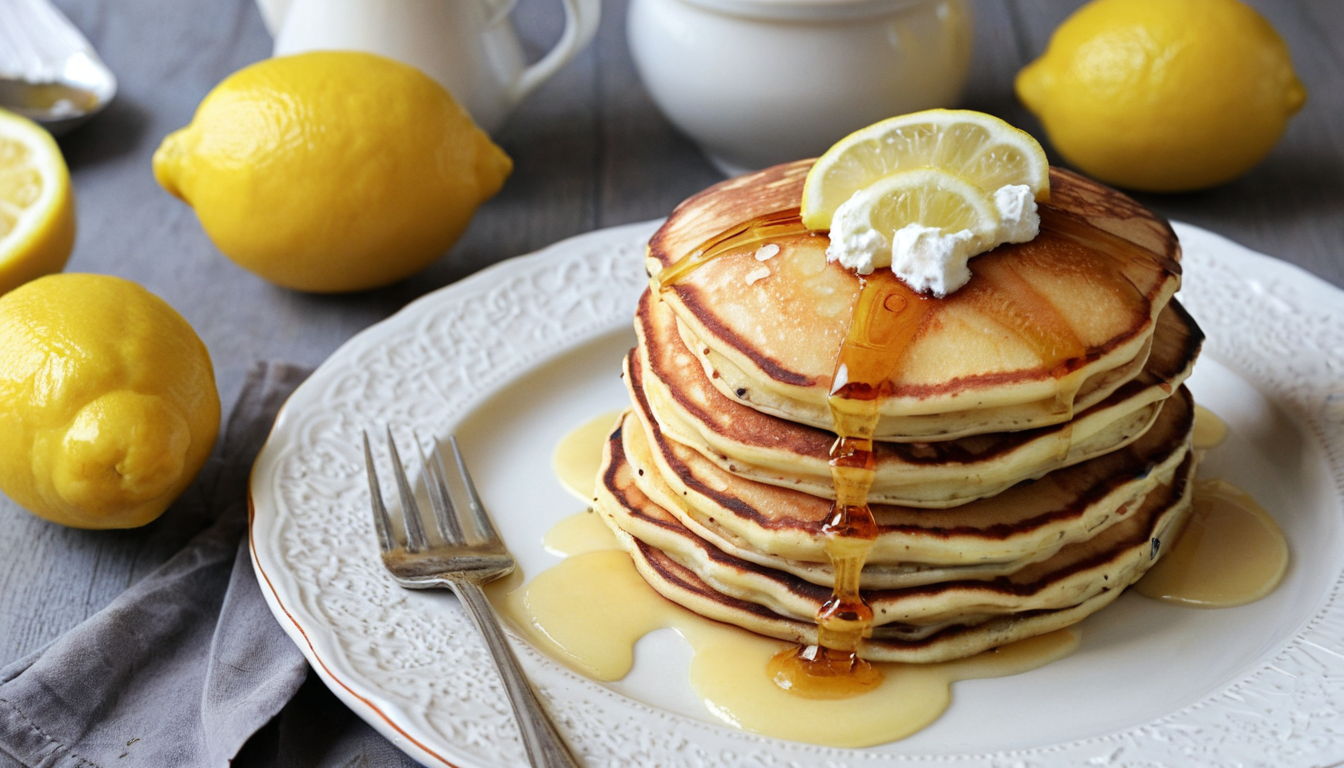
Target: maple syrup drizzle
1118,251
591,609
771,226
886,321
1013,302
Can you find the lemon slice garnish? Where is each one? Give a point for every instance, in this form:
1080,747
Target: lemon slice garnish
37,210
980,149
928,197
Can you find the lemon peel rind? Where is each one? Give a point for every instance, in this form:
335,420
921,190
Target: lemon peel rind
386,191
91,397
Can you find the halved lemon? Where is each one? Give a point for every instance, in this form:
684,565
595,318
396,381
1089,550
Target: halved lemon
37,209
981,149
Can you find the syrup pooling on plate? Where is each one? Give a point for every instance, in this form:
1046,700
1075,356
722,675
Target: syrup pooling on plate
590,610
575,461
1231,551
1210,430
578,454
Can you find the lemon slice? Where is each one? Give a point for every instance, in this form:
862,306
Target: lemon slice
37,210
927,197
979,148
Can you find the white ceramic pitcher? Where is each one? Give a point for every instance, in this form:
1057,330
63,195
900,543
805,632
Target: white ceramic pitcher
468,46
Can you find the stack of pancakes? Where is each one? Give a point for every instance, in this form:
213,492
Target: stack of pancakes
1033,448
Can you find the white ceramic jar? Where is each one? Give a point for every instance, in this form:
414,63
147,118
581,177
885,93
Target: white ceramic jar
760,82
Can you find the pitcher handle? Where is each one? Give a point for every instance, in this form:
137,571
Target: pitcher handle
581,18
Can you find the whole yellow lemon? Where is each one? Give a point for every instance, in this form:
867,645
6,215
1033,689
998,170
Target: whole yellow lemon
332,170
1163,95
108,404
37,208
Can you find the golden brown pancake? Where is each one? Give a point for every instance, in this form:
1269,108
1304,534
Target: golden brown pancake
691,410
1043,329
927,623
781,528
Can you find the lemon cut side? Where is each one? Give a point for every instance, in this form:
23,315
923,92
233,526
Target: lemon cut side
927,197
37,209
980,149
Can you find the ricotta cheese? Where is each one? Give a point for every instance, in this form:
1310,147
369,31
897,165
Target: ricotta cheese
928,259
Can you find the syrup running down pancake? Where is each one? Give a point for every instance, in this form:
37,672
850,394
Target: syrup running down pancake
928,623
692,411
782,528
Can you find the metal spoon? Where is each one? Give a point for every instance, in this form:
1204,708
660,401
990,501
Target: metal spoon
48,70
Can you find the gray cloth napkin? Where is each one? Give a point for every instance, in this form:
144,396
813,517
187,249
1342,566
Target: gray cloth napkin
188,667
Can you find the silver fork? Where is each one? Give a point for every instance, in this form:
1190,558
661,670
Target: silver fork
463,562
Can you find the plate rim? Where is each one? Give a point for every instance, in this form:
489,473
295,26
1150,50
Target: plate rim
1261,274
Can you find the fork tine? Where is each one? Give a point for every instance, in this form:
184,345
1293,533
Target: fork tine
440,500
410,511
381,523
483,524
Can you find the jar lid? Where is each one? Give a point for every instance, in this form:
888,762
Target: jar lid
808,10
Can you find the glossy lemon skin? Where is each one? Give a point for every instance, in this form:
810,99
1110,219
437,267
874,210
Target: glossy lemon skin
1163,95
108,403
331,171
30,160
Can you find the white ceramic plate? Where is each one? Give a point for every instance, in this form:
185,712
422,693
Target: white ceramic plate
512,358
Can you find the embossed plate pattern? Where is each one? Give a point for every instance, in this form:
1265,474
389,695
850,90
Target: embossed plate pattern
515,355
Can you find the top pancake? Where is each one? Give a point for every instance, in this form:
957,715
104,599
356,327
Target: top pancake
1043,328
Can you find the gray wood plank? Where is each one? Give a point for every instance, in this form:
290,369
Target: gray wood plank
166,56
997,55
646,166
1327,18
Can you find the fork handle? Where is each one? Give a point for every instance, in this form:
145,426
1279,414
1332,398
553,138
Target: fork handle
545,747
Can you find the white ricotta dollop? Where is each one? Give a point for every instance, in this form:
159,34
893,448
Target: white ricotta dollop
926,258
930,261
1019,221
855,244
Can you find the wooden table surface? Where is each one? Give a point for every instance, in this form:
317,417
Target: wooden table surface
590,151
